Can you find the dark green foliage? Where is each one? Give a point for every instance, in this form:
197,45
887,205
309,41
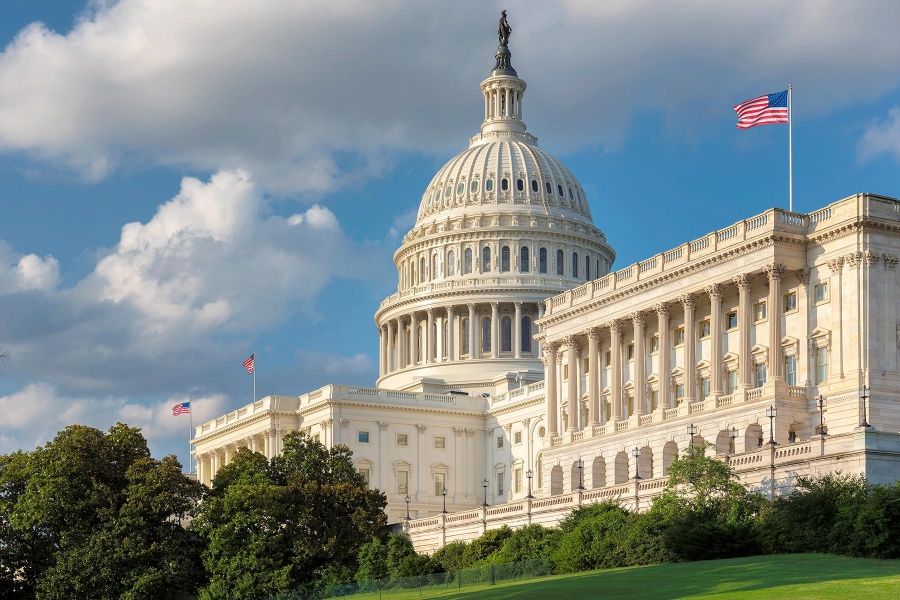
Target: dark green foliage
452,557
876,532
527,543
595,540
373,561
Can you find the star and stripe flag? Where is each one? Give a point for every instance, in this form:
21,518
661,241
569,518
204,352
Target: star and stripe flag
181,409
249,363
764,110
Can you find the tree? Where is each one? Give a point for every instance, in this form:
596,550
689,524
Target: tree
278,525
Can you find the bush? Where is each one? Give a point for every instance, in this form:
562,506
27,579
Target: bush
594,542
876,528
527,543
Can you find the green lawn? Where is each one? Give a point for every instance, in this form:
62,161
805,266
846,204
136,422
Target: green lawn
796,576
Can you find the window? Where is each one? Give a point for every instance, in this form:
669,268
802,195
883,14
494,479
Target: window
524,260
486,334
439,484
505,334
489,185
362,437
790,370
465,335
629,352
447,192
500,483
559,189
364,473
654,343
467,265
760,374
821,365
504,259
575,264
571,197
517,438
654,399
559,262
790,302
402,440
704,329
759,311
731,381
440,442
474,187
792,435
316,438
499,441
451,263
542,260
422,270
732,320
587,268
486,259
820,292
504,184
403,482
460,188
548,187
526,334
704,387
534,185
520,185
565,372
585,366
679,391
608,358
517,480
679,336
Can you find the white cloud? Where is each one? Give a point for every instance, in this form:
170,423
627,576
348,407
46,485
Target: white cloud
882,137
20,272
310,96
403,223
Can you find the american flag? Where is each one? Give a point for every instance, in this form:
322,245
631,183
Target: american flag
765,110
248,364
181,409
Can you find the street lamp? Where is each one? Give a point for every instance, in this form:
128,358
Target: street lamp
529,474
821,402
580,465
733,435
636,453
692,431
864,395
771,413
484,484
407,506
444,494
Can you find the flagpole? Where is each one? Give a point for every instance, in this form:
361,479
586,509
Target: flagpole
191,441
254,377
790,152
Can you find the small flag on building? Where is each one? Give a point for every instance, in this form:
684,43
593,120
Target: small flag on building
765,110
248,364
181,409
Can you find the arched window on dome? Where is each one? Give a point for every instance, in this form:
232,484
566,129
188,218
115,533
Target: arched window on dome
558,189
467,264
520,185
422,270
542,260
526,334
434,267
460,188
420,343
534,185
447,192
549,187
486,334
571,197
504,184
428,198
486,259
504,259
489,185
560,263
575,264
464,332
597,272
451,263
445,335
587,267
524,260
474,186
505,334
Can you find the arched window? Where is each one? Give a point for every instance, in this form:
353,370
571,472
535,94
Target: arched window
560,266
571,197
504,184
474,186
504,259
434,266
548,187
451,263
542,260
574,264
447,192
558,189
587,268
534,185
505,334
486,259
422,271
486,334
526,334
524,260
460,188
465,335
489,185
467,267
520,185
597,272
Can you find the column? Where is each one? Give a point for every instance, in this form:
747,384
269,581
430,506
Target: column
836,266
745,323
486,112
540,312
715,342
495,329
506,112
413,339
429,338
390,348
382,343
451,333
640,365
572,358
803,308
213,465
690,348
550,390
474,351
773,308
664,368
594,377
615,383
439,339
399,362
517,330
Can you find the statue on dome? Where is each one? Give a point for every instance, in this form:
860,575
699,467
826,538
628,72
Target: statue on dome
504,29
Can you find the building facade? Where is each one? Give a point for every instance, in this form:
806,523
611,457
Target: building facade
520,376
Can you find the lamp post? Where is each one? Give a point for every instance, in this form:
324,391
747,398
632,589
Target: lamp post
444,494
529,474
821,402
733,435
484,484
407,506
636,453
692,431
580,465
771,413
864,395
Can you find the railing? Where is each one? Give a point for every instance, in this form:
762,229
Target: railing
599,430
673,255
794,219
727,234
697,407
819,216
577,436
556,441
724,401
648,265
700,244
797,392
670,413
552,501
625,274
645,420
621,425
754,394
757,222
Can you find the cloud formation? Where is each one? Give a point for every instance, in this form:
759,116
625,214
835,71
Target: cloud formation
882,137
311,96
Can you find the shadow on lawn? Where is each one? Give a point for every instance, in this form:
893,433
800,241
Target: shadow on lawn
671,581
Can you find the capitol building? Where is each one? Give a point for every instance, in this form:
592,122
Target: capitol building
521,376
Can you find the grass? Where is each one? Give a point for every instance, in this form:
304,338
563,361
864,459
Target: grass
794,576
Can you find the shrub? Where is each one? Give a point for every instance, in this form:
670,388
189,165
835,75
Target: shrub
595,541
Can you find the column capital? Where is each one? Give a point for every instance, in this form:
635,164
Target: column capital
743,281
471,305
382,425
714,290
451,309
872,258
803,275
637,318
517,305
573,342
662,309
687,300
774,271
853,259
326,424
593,334
421,428
344,422
615,327
550,347
890,261
430,312
836,264
495,305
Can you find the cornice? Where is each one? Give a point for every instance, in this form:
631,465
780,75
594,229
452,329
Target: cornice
518,405
219,431
330,402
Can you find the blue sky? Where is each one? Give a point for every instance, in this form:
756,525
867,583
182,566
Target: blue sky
185,184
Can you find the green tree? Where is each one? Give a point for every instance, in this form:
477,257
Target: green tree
528,543
592,538
373,561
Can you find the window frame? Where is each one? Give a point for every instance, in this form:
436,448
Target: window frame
443,442
758,307
360,433
823,285
405,439
505,260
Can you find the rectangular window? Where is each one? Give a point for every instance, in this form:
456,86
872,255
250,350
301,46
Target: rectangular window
654,399
565,372
403,482
821,365
439,484
732,320
759,311
630,352
608,358
790,370
820,292
679,336
499,441
500,484
760,374
586,366
364,473
704,387
704,329
790,302
402,440
517,481
654,344
316,438
440,442
362,437
517,437
679,391
731,381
